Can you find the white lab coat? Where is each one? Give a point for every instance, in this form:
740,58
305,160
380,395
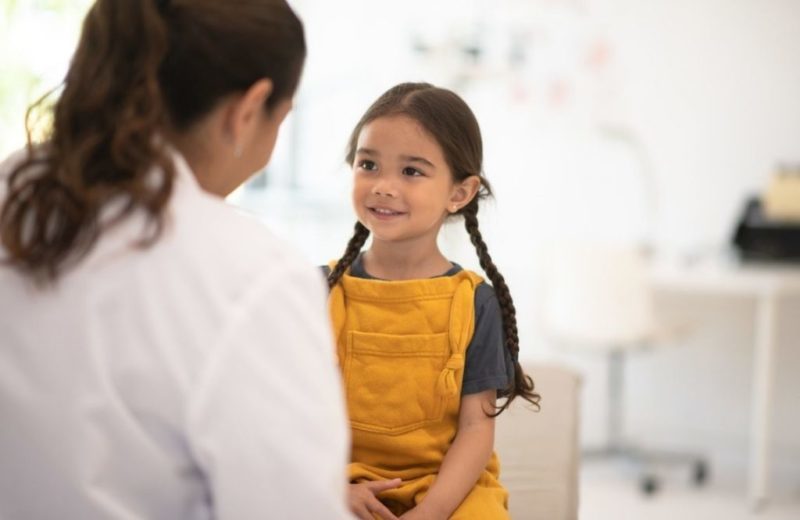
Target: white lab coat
195,379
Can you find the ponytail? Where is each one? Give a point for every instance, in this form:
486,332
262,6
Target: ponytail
101,148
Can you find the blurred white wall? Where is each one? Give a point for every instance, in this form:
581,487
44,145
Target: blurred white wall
711,89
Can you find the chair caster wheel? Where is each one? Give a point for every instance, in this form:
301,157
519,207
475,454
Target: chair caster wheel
700,473
649,485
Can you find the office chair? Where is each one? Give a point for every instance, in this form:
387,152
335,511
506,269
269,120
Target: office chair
596,297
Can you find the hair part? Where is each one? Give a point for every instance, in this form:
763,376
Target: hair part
141,66
449,120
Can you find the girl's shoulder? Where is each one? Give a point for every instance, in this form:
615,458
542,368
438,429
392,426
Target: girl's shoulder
485,297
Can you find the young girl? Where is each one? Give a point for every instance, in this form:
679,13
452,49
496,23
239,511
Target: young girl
425,346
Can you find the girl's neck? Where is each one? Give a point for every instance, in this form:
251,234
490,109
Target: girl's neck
391,261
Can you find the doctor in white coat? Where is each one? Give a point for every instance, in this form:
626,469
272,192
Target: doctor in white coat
162,356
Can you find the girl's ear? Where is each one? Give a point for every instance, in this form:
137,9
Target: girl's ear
245,110
463,193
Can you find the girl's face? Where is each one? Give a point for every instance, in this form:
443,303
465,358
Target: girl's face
403,188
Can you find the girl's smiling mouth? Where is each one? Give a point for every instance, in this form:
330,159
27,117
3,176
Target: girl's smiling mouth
384,213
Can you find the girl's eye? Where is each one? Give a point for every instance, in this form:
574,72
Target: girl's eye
367,165
412,172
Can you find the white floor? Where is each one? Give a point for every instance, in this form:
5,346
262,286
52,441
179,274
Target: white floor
610,493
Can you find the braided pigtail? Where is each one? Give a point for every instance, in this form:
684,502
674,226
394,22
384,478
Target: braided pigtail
522,384
354,246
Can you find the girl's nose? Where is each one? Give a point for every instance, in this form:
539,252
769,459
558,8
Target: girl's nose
385,188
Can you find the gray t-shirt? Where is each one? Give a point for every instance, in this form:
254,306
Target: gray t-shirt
488,363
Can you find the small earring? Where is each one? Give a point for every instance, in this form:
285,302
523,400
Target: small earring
455,208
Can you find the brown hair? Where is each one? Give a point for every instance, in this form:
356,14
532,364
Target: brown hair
446,117
140,66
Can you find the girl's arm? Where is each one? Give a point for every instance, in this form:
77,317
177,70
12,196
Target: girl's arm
464,461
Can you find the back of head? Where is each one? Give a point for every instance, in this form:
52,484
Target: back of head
141,67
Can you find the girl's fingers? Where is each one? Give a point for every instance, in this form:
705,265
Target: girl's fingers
382,485
363,513
381,510
363,502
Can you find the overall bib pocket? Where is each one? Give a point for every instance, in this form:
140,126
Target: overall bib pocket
392,380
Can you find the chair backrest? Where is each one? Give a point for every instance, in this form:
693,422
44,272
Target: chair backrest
596,295
539,451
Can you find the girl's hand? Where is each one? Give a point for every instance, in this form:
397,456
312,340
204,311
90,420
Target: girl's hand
365,504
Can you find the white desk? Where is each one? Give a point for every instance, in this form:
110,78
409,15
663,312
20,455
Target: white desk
768,285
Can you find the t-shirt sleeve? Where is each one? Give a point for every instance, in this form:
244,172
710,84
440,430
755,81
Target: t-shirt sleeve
488,362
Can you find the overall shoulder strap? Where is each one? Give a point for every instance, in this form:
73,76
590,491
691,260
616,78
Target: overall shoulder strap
461,328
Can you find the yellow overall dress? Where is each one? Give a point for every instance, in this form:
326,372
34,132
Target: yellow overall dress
401,348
